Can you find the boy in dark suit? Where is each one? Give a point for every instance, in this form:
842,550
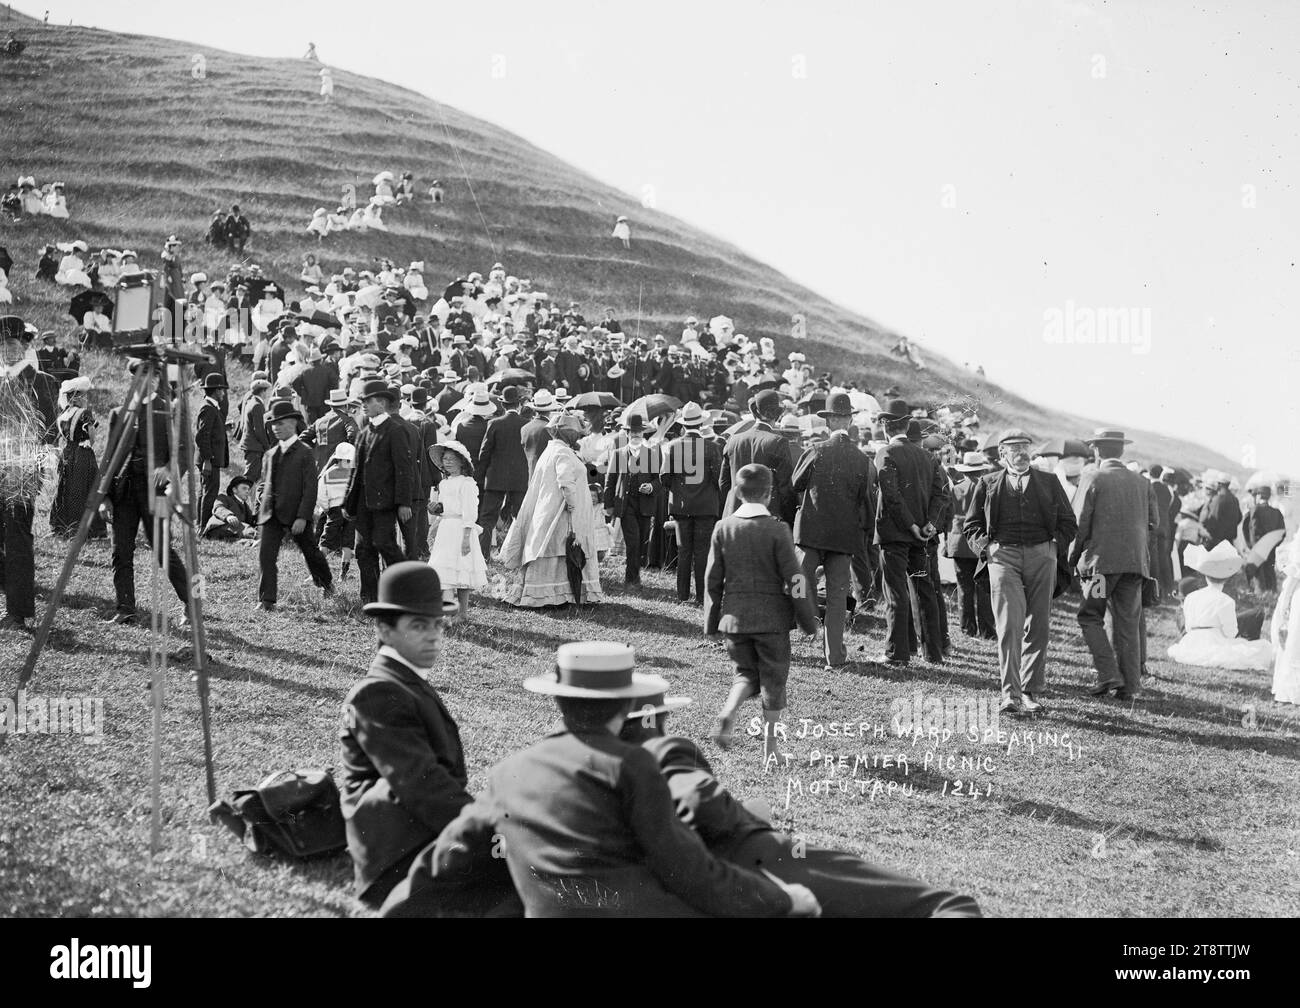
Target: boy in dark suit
630,495
757,594
403,766
288,502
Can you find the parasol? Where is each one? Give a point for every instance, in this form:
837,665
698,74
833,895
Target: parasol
6,264
322,319
87,300
589,400
1263,478
864,403
1259,553
510,376
383,176
651,406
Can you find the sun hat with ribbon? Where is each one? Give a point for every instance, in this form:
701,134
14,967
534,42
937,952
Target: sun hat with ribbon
596,670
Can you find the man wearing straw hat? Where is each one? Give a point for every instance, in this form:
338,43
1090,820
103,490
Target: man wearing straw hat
588,822
1112,556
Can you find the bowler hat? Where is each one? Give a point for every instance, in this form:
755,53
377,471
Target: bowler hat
213,381
837,404
379,387
896,410
282,409
596,670
766,403
419,397
510,395
410,587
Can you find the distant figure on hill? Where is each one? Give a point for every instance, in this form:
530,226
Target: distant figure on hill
326,83
435,191
310,54
237,230
13,47
623,232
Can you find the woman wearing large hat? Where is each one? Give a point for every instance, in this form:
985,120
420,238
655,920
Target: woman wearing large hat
589,826
403,776
1210,616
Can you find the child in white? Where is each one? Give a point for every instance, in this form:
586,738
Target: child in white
1286,673
456,554
1210,617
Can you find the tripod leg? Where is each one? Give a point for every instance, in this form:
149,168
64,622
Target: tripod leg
158,666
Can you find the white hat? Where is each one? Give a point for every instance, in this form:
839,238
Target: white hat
692,415
437,451
561,394
344,450
418,267
797,357
1221,562
596,670
80,245
544,402
449,378
198,278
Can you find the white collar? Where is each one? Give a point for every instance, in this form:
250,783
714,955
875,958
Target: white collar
286,445
378,421
208,398
389,652
750,510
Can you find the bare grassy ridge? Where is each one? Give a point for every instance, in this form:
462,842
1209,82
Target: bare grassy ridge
1171,809
147,151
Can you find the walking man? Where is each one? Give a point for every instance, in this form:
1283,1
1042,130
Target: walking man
380,493
504,466
692,467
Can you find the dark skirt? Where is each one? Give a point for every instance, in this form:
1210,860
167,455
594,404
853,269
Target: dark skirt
77,469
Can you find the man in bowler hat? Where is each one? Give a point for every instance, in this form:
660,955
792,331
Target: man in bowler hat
287,502
504,466
212,447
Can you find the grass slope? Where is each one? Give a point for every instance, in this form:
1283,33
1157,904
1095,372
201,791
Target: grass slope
148,150
1178,807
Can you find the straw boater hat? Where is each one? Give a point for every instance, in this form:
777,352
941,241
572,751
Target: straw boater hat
481,404
436,453
596,670
544,402
1103,435
1221,562
692,415
973,461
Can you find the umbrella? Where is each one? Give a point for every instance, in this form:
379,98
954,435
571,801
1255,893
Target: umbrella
588,400
1258,553
510,376
575,560
764,385
383,176
864,403
652,406
87,300
323,319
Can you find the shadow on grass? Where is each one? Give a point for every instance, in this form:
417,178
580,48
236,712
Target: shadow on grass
529,643
1059,815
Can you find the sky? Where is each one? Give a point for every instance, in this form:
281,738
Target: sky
1096,202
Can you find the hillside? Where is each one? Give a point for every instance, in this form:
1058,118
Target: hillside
147,149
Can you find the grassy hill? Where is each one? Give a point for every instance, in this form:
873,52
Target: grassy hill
147,149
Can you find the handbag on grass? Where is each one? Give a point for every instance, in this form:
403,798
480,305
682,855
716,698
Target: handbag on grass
294,813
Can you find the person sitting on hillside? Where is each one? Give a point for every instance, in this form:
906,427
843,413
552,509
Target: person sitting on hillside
11,203
406,188
359,220
48,267
33,202
216,233
338,220
72,267
312,274
6,296
414,281
319,225
383,189
373,216
13,45
129,264
1210,616
435,191
238,230
56,204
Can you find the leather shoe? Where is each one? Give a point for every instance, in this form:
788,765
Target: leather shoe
1126,696
1104,689
1010,707
882,659
1031,705
265,606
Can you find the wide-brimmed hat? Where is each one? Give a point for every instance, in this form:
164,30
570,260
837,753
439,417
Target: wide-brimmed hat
1221,562
543,402
345,450
596,670
410,587
972,461
449,378
692,415
837,404
1105,434
481,404
283,409
896,410
436,453
379,387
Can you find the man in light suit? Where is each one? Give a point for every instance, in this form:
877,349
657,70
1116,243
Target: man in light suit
403,776
760,445
835,483
1111,554
1019,522
287,502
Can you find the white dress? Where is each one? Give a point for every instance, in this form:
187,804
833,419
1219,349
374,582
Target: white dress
1211,639
56,206
622,232
458,496
5,296
72,271
1286,672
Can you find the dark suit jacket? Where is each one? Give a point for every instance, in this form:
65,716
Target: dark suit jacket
501,458
275,356
292,479
629,470
1119,513
956,545
44,391
533,436
329,432
470,433
692,467
983,512
1164,497
755,582
210,441
762,445
314,385
590,831
384,476
403,768
1221,515
913,491
835,483
426,432
419,489
253,426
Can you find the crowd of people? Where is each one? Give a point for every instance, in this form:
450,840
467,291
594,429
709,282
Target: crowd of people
26,199
445,441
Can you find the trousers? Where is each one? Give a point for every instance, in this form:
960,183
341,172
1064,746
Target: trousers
17,559
209,487
694,534
376,538
496,504
846,885
130,512
268,553
974,598
836,568
1119,661
901,560
253,465
636,536
1021,582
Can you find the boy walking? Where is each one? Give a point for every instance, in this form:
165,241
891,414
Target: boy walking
756,596
287,504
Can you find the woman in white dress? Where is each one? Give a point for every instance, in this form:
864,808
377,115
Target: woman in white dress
373,216
623,232
108,270
33,204
1286,630
72,267
56,205
558,502
456,554
414,281
1210,617
311,274
319,225
6,296
359,221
